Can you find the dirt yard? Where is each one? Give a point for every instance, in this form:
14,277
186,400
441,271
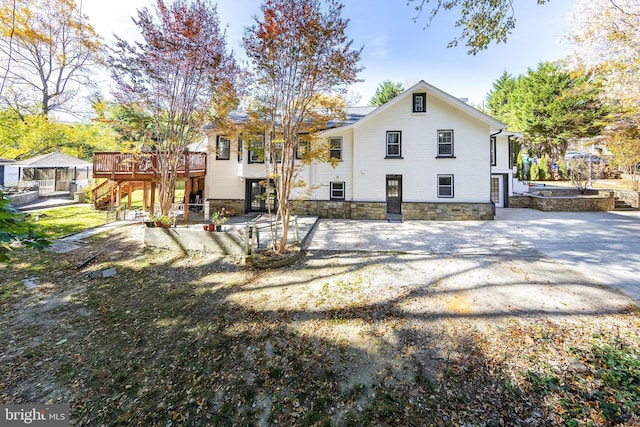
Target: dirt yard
336,339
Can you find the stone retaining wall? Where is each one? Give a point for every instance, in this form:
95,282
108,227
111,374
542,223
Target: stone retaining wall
448,211
603,201
519,201
19,199
189,239
631,198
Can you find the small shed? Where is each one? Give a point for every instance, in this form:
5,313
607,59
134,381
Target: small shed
8,173
54,172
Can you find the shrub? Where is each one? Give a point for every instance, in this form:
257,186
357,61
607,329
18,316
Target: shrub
534,172
543,170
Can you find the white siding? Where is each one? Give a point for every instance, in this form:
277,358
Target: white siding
222,180
502,160
419,166
324,173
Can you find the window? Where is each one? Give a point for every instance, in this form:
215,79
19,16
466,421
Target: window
445,185
335,148
256,149
394,141
303,148
493,150
277,148
222,148
419,102
240,147
336,190
445,143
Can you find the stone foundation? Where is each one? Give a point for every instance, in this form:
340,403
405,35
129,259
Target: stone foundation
234,205
322,208
410,211
368,210
448,211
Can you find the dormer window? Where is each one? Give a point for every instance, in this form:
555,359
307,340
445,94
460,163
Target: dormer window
419,102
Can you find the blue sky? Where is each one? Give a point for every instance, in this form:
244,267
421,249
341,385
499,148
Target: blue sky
396,48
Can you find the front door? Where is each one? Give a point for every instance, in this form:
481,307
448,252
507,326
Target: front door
256,196
394,194
497,191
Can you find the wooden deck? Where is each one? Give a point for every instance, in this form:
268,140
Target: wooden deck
128,172
144,166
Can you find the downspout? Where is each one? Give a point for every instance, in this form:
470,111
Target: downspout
490,166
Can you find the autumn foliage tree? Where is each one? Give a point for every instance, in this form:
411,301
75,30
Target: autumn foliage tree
301,58
607,43
178,73
48,50
482,21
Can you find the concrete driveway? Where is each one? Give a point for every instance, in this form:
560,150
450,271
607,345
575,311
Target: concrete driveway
604,246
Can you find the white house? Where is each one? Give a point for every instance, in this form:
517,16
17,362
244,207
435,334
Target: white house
423,155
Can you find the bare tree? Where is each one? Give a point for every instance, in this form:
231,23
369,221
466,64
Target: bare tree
47,56
178,74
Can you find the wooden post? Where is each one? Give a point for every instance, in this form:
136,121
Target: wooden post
118,201
246,239
187,197
254,238
145,197
129,197
153,197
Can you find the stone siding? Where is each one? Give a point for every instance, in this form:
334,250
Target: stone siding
234,205
322,208
368,210
376,210
631,198
448,211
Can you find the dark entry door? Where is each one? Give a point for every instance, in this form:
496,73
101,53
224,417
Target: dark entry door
394,194
256,196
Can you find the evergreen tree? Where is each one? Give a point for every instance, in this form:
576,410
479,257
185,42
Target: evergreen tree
498,99
553,107
386,91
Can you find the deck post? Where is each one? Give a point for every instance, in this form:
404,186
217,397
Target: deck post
129,197
153,198
187,196
145,197
118,201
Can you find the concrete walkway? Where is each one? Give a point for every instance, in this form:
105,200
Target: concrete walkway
604,246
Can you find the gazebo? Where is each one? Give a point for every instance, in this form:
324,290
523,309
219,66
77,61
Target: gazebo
54,172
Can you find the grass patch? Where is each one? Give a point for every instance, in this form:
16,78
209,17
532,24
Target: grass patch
58,222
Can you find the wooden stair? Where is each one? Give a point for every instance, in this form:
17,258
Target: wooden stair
106,191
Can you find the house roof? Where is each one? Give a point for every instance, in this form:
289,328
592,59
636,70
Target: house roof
423,86
4,161
53,160
357,115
